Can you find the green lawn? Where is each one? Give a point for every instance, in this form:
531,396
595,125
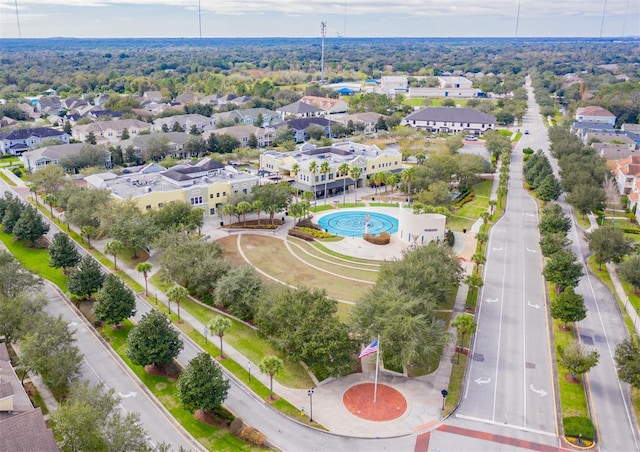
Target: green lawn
6,179
572,395
35,260
328,264
342,256
321,251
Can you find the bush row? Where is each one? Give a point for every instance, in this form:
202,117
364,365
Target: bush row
383,239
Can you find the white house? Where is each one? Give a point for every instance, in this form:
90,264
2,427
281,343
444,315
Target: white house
52,155
595,114
450,120
21,140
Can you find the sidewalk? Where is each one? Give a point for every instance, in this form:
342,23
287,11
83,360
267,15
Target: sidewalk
617,284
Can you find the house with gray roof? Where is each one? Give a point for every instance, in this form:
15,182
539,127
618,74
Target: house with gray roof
185,121
19,141
299,109
450,120
52,155
248,116
300,125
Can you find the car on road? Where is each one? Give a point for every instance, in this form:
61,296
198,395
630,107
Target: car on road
526,132
471,138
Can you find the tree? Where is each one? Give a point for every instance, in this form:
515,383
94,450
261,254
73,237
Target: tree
549,189
50,351
89,232
49,179
14,279
553,219
243,208
19,314
257,206
145,268
627,359
252,142
114,247
465,324
608,244
218,326
238,290
86,278
63,252
90,419
587,198
270,365
630,271
227,143
12,212
115,302
201,386
133,230
568,307
552,242
91,138
325,169
153,341
577,359
177,293
30,226
274,197
313,169
343,171
50,200
125,134
407,176
563,270
355,173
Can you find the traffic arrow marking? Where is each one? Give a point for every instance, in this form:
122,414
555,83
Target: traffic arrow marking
128,394
532,251
540,391
537,306
482,381
491,300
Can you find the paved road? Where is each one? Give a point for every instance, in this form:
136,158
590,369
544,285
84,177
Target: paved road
510,380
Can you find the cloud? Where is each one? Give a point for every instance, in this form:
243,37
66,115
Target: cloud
439,8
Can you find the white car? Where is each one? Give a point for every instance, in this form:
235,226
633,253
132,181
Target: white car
471,138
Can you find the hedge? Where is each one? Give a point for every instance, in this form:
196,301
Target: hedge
299,233
383,239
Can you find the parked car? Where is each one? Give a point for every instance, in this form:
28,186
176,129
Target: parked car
526,132
471,138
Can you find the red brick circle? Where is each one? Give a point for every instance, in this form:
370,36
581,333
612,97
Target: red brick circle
390,404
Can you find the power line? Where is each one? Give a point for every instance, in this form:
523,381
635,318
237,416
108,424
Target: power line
18,19
199,18
518,17
604,9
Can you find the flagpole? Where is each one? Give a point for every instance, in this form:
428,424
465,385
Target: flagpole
375,385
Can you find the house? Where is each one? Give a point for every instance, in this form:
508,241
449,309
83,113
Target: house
52,155
367,119
153,96
250,116
174,140
21,140
205,183
450,120
100,115
110,131
242,133
394,84
21,426
299,127
595,114
186,98
49,105
298,166
186,122
100,99
609,138
327,105
455,82
299,109
72,103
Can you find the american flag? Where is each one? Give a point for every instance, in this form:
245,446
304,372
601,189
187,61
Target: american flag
369,349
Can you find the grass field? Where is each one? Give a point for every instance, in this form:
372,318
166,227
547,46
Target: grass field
264,252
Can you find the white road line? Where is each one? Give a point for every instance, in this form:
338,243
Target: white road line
495,386
524,336
504,424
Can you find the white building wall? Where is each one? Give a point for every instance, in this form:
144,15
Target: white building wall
421,228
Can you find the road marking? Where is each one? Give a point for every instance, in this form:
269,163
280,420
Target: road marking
532,251
497,249
127,395
536,306
482,381
540,391
505,424
73,324
491,300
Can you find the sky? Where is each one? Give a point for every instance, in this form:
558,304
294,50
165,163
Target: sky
301,18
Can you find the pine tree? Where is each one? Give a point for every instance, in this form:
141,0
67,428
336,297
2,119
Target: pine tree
63,253
85,279
30,226
114,301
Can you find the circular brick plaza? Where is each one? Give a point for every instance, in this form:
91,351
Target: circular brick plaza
390,404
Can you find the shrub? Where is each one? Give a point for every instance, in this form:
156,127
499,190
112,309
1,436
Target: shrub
252,436
450,238
525,158
630,230
307,223
528,151
317,233
577,426
383,239
470,197
17,172
299,233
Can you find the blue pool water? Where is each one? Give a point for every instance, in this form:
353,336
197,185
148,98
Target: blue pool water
352,223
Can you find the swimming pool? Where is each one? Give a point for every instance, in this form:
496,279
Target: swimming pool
352,223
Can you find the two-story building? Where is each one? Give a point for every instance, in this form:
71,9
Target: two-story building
206,184
450,120
328,105
595,114
110,131
185,121
299,110
264,136
19,141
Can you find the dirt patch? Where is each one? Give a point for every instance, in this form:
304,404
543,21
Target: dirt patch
171,370
390,403
571,379
230,249
209,418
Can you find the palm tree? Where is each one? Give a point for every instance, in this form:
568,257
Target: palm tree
145,268
392,181
176,293
48,199
465,324
313,169
244,208
218,326
492,205
407,177
114,247
33,188
295,169
343,171
355,174
258,207
325,169
420,157
270,365
88,232
307,196
478,259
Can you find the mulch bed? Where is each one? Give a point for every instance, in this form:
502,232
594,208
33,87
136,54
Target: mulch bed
208,418
169,370
390,404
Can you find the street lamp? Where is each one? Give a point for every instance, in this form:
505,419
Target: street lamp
206,333
169,305
444,393
156,298
310,394
249,367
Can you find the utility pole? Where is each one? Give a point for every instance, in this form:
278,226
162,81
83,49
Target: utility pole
199,19
323,32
